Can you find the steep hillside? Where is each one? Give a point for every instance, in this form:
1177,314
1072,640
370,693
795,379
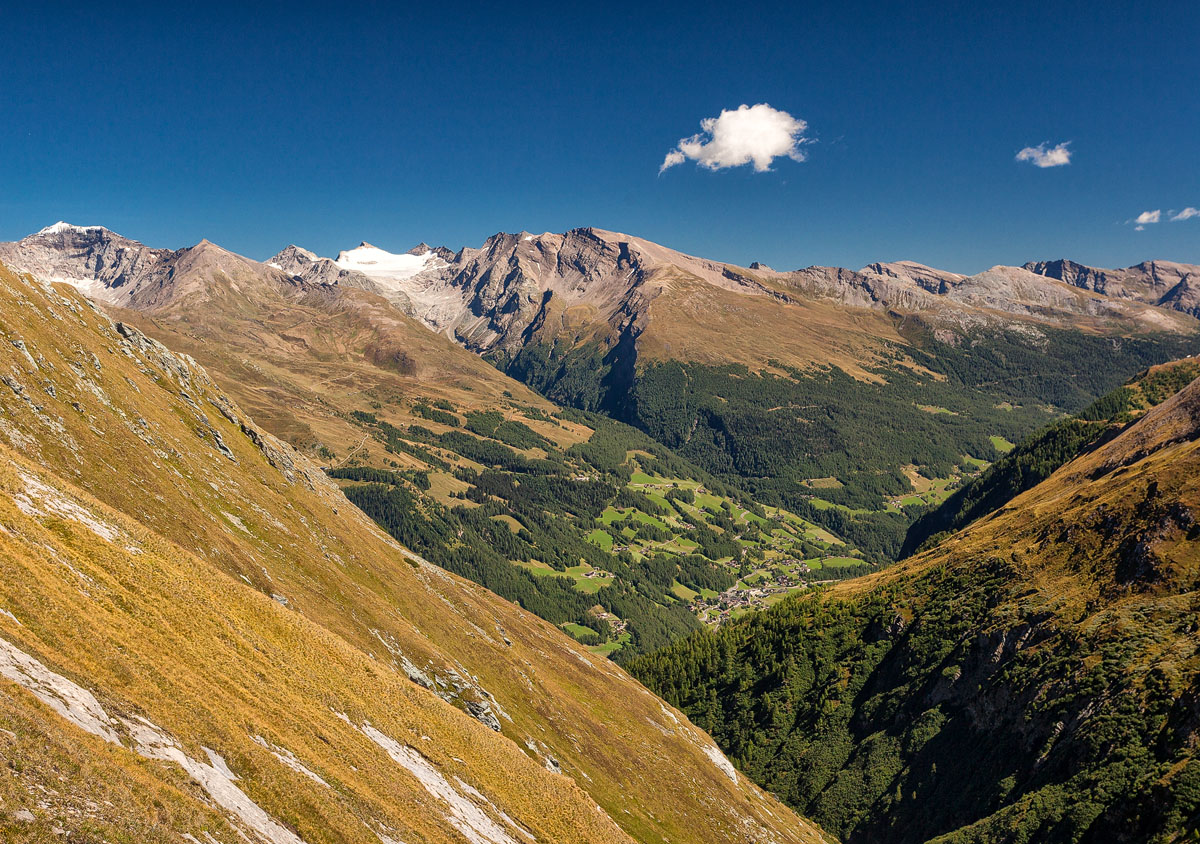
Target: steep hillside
1034,459
1033,678
251,653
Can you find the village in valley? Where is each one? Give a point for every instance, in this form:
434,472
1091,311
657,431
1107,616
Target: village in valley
772,552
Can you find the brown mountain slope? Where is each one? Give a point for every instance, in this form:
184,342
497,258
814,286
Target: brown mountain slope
298,355
165,555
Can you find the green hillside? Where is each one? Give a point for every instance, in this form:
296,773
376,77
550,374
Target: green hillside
614,538
1036,458
1031,679
937,406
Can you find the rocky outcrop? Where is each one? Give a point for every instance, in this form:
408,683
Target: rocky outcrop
1163,283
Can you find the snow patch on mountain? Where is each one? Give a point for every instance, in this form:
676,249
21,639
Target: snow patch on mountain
60,227
387,268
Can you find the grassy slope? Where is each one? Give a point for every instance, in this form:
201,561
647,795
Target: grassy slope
1030,679
163,635
234,529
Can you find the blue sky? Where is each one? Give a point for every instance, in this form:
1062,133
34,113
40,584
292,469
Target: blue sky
327,125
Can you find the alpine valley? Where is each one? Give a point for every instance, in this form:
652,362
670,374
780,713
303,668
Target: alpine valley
361,549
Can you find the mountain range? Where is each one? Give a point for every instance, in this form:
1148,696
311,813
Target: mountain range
607,322
244,502
517,288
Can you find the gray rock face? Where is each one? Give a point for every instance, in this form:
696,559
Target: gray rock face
313,269
491,298
995,295
1163,283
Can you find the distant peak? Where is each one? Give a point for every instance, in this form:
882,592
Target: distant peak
420,249
293,249
207,247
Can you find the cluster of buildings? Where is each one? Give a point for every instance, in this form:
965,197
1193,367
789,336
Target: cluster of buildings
615,624
721,608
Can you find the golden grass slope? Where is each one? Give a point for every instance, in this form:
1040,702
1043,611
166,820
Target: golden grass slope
161,636
258,602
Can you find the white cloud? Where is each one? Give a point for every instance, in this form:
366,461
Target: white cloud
1185,214
1144,219
756,133
1043,155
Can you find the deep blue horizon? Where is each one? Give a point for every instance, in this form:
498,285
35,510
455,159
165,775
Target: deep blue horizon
325,127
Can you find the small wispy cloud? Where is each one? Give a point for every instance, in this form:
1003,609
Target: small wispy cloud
1186,214
1146,218
755,134
1044,155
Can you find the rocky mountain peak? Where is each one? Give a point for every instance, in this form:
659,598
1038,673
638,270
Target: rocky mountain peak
311,268
293,254
101,263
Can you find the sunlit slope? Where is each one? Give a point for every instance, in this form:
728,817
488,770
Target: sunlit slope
248,522
1033,677
325,741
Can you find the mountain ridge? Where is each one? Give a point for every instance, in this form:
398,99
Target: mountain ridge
507,272
1158,282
